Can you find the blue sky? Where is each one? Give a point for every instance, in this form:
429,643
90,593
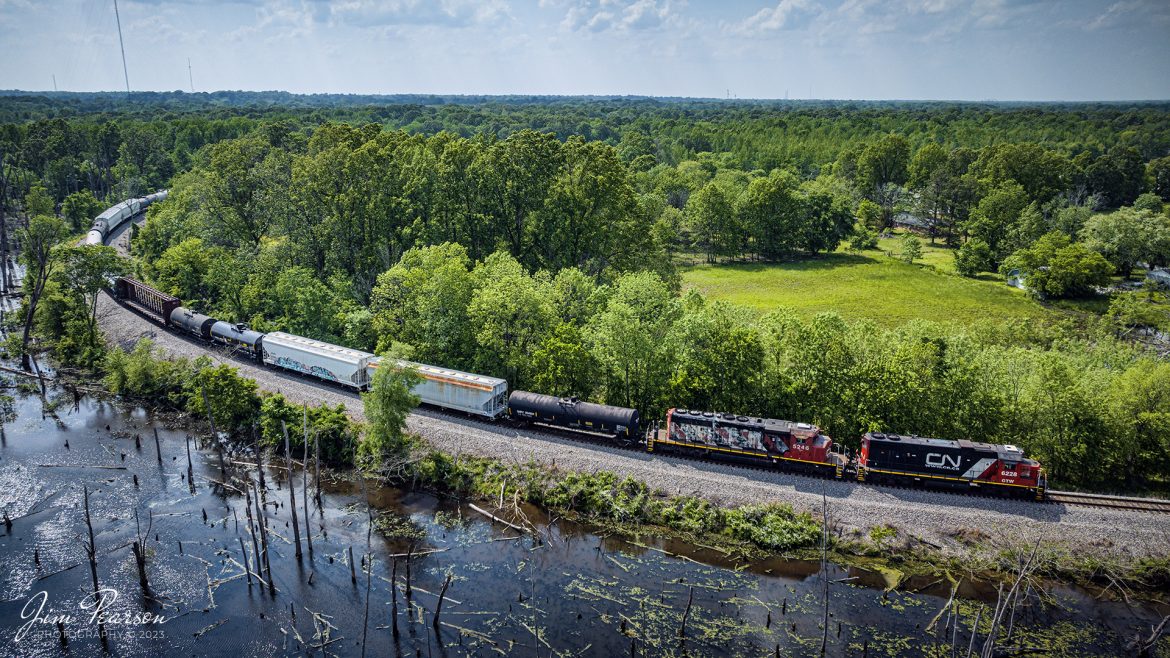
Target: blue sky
895,49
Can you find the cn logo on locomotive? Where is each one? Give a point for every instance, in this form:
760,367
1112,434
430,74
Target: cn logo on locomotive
939,460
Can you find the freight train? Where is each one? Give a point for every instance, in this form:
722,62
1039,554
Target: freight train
113,217
781,444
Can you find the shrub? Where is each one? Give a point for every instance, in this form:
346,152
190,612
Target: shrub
772,526
328,425
973,257
143,373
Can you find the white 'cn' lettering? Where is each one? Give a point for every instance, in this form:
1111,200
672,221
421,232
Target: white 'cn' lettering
938,460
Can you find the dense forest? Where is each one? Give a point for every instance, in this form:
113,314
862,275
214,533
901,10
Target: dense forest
537,239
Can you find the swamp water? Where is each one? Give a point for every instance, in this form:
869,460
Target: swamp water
570,593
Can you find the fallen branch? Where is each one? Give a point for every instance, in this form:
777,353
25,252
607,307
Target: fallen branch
497,519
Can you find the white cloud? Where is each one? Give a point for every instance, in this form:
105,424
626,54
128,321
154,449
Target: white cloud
445,13
785,15
620,15
1129,13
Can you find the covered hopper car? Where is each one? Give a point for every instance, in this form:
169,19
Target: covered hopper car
467,392
315,358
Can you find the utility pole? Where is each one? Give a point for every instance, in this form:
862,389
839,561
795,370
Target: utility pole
54,82
125,71
190,78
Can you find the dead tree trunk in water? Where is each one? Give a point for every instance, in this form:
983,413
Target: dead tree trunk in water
91,553
394,597
439,607
5,281
190,469
214,435
139,548
305,486
292,495
261,520
317,470
91,547
252,528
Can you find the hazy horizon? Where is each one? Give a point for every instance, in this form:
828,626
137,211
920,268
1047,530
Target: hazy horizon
912,50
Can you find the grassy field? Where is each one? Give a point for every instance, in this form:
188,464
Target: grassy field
870,285
938,255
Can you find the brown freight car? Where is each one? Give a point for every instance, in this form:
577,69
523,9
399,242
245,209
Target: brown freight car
152,302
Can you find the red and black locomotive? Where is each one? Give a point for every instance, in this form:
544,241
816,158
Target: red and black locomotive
799,446
967,465
888,458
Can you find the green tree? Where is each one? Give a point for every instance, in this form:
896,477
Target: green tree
303,304
1127,236
870,215
80,209
771,212
234,403
719,358
994,220
826,219
68,312
862,238
1158,173
246,190
386,407
1117,177
39,202
181,270
1131,310
973,257
717,231
40,259
882,170
509,315
590,219
911,248
422,301
1150,202
629,339
1057,268
329,426
562,365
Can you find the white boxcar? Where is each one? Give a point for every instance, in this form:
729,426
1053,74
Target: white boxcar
451,389
315,358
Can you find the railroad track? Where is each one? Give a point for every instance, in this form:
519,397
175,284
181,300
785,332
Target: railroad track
1111,502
